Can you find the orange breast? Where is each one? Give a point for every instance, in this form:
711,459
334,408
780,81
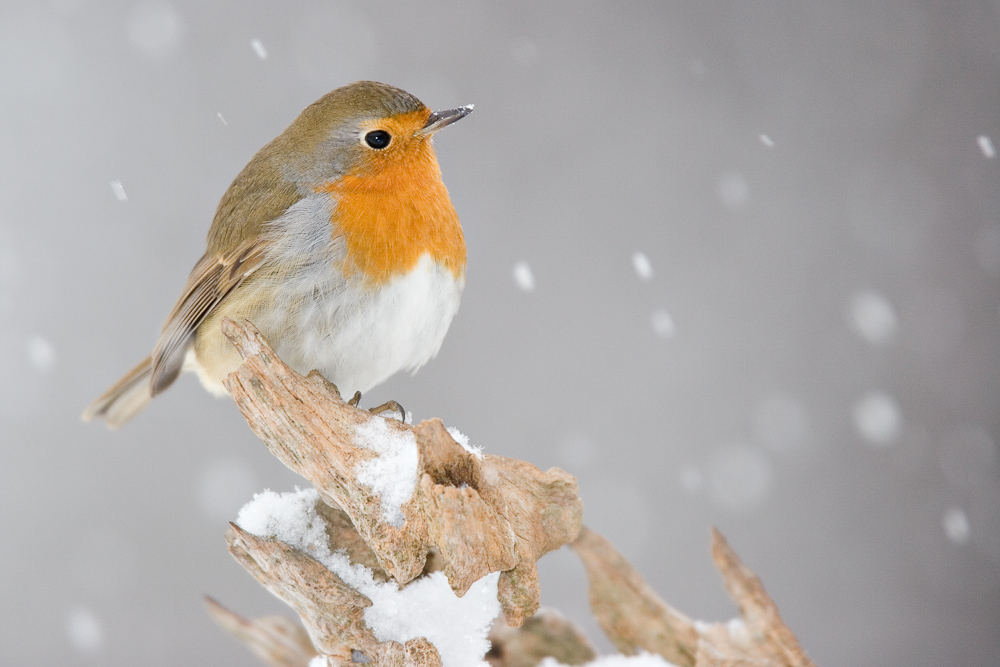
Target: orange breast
392,215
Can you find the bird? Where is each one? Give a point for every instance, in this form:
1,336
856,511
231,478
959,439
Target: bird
338,241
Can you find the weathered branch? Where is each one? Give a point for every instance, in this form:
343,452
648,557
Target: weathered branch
630,613
635,618
546,634
310,589
765,640
404,501
483,514
276,640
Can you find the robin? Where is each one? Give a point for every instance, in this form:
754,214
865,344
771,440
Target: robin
338,241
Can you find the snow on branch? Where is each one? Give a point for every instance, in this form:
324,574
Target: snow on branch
411,543
483,514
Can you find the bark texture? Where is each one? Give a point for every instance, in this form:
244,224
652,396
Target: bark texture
634,617
469,515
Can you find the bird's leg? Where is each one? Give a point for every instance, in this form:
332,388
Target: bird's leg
385,407
390,405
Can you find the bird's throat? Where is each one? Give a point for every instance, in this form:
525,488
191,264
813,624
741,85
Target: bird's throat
390,218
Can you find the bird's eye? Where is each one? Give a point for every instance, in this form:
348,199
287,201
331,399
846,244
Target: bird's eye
378,139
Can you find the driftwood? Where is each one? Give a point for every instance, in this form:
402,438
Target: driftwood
275,640
766,640
483,515
629,612
546,634
635,618
468,515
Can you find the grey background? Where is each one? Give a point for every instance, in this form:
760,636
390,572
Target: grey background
848,454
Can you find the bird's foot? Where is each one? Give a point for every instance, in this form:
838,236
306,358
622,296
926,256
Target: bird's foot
385,407
390,406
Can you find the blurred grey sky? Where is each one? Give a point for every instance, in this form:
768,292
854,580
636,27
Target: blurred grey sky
805,353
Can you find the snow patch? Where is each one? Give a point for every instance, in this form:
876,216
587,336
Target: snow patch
392,475
427,607
463,440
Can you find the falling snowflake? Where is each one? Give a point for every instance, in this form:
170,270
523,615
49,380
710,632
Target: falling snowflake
119,190
956,525
986,146
739,477
873,317
154,29
643,267
733,191
523,276
258,48
663,324
42,354
878,419
84,630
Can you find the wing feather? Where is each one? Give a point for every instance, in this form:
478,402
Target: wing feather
212,280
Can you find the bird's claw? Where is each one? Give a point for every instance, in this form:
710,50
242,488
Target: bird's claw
388,406
385,407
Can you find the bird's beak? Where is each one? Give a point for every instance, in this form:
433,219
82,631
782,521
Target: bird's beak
440,119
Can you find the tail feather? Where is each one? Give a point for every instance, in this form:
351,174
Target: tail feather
122,401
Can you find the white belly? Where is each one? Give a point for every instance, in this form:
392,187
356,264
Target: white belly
316,318
358,337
